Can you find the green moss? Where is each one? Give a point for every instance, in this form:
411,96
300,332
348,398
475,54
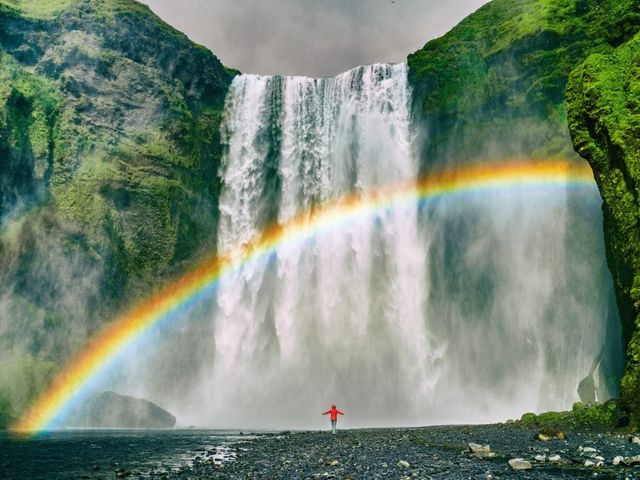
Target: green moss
42,9
494,86
112,141
22,379
604,119
605,416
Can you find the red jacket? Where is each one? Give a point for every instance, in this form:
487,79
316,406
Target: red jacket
334,412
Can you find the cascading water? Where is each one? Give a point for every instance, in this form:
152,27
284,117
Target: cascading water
467,309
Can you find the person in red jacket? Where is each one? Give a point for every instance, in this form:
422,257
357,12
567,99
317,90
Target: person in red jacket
334,412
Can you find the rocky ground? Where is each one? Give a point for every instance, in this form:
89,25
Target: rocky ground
422,453
433,452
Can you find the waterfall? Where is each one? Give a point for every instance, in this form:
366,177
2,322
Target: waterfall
469,309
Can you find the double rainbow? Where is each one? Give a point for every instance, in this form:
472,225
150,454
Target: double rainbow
99,354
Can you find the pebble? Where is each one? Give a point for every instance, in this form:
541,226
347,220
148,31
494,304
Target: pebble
519,464
587,449
477,448
403,464
634,460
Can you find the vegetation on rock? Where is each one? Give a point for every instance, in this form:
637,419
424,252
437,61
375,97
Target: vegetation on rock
109,153
494,87
605,416
604,119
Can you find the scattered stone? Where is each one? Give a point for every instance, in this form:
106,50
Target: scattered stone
634,460
477,448
617,460
587,449
403,464
334,463
561,436
123,473
634,439
589,463
599,458
540,458
519,464
554,458
542,437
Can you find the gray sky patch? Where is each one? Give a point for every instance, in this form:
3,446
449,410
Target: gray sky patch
311,37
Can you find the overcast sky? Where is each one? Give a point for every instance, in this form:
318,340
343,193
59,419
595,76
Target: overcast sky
311,37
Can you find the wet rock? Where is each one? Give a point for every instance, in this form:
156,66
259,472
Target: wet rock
477,448
587,449
334,463
121,473
540,458
541,437
634,460
554,458
589,463
634,439
617,460
111,410
519,464
403,464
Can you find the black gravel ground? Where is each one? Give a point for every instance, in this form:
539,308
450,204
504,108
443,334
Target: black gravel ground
430,452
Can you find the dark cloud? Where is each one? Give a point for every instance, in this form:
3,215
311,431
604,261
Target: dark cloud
311,37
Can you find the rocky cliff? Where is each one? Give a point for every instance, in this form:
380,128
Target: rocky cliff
109,152
604,119
494,87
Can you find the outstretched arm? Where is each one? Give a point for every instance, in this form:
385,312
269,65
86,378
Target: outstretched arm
339,412
327,412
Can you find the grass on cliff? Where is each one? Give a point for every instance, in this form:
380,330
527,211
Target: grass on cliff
41,9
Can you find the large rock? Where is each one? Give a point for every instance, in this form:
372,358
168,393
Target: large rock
111,410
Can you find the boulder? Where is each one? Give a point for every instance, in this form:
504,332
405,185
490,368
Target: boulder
111,410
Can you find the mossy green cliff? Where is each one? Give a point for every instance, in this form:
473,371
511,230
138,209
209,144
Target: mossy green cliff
604,118
109,152
494,88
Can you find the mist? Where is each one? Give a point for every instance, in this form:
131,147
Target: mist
469,309
313,38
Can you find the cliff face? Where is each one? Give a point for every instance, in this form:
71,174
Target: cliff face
604,119
109,152
493,87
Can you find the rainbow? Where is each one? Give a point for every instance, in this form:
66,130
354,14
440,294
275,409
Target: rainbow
100,352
